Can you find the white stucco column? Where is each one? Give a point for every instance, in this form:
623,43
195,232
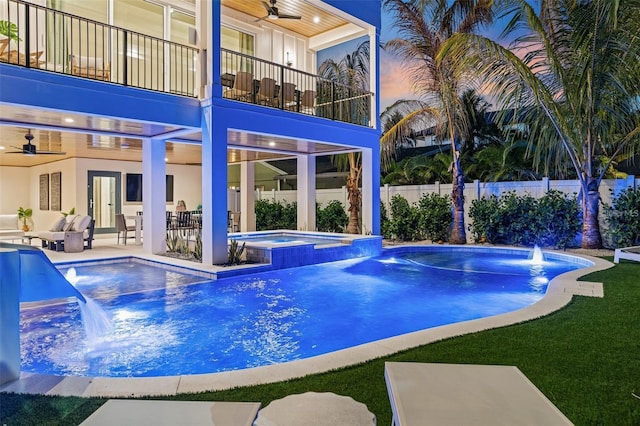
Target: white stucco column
370,192
306,193
214,189
154,199
247,196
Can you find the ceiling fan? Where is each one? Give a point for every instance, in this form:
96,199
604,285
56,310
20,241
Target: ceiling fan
273,14
30,149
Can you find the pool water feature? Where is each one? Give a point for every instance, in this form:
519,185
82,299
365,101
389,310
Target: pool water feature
273,317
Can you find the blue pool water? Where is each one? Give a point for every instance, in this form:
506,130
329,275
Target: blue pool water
170,323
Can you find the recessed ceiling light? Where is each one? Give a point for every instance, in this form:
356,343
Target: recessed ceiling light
68,120
166,159
1,147
316,19
272,143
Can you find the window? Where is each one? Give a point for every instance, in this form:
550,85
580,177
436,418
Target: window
133,189
240,42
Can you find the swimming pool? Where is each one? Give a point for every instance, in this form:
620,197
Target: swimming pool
273,317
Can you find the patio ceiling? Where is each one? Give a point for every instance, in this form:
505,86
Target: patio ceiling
111,139
314,20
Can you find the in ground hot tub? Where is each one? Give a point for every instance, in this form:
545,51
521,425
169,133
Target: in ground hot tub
286,249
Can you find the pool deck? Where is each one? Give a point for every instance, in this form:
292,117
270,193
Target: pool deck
559,293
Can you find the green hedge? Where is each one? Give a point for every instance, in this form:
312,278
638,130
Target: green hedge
623,219
551,221
275,215
333,218
430,218
281,215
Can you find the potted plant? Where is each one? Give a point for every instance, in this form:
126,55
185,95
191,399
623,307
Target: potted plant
25,216
9,30
72,211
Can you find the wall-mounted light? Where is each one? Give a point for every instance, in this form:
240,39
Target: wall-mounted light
289,62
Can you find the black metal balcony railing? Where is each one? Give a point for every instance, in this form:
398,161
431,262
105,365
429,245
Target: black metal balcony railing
248,79
56,41
59,42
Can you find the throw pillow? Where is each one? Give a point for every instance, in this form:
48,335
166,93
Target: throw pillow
58,225
81,223
69,223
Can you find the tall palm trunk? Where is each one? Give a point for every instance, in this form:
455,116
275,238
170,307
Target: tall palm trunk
355,198
591,236
458,233
353,193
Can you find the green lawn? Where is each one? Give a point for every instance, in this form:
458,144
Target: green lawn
584,358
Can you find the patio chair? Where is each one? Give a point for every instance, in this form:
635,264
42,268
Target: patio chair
242,86
234,223
628,253
4,54
183,220
287,95
308,103
267,92
53,239
90,67
123,229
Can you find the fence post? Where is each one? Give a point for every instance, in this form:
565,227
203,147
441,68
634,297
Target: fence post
436,187
545,185
386,197
631,182
476,186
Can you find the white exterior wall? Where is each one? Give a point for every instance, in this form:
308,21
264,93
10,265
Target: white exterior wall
19,186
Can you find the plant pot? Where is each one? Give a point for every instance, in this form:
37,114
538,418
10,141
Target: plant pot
27,224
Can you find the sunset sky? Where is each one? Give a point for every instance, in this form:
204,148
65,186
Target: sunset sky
393,83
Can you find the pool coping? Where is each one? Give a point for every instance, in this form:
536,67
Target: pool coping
559,293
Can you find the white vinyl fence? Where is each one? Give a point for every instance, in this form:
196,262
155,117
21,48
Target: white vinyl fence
473,191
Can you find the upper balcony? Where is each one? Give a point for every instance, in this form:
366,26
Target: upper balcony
50,40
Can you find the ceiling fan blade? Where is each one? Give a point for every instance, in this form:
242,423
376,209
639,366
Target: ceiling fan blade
36,152
269,8
285,16
261,19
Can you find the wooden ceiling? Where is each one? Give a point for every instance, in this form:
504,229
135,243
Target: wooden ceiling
305,26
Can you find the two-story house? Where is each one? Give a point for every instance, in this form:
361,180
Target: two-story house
180,89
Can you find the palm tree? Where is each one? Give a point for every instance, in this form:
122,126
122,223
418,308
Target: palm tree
352,71
576,83
423,26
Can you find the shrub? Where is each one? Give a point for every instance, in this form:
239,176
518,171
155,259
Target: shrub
434,216
623,219
485,219
559,219
519,222
275,215
404,220
553,220
332,218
